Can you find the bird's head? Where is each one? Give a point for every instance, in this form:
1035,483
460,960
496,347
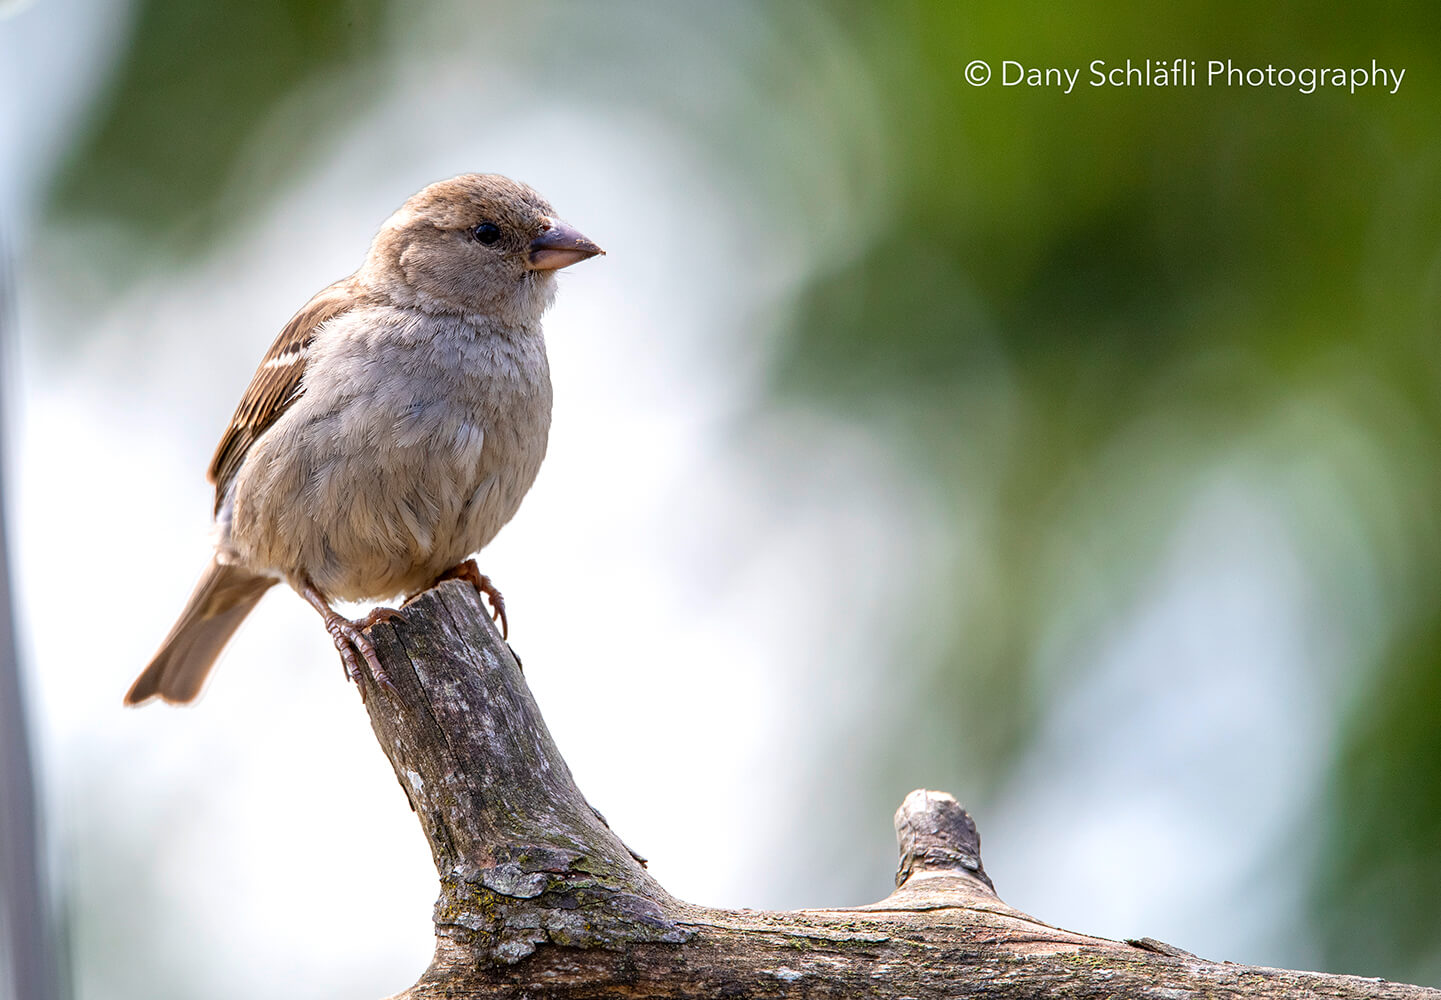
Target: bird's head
476,243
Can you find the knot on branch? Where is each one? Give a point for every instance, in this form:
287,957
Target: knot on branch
937,837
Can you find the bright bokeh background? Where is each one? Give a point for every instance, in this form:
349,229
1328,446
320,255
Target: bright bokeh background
1076,454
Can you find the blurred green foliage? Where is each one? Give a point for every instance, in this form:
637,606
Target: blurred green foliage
193,88
1051,275
1376,892
1190,261
1142,233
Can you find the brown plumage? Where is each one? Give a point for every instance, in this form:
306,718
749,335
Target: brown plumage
392,428
277,380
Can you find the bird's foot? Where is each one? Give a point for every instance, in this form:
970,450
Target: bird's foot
378,615
350,638
470,573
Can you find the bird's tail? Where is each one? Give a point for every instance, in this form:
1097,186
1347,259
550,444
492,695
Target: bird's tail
222,599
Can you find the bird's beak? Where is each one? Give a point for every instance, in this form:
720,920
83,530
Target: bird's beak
559,246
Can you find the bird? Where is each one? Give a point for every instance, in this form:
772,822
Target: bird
391,430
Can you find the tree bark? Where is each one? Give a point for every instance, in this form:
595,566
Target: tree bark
539,898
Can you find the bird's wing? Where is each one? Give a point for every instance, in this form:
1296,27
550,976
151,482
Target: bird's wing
277,382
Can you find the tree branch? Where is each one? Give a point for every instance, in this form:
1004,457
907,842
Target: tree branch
538,898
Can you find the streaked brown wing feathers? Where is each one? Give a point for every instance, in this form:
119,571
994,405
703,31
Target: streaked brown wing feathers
277,382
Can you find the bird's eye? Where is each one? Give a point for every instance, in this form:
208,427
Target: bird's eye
486,232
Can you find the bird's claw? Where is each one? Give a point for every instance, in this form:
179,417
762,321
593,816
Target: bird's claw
497,604
470,573
378,615
350,639
349,636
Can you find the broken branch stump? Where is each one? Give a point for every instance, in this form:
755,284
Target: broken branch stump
539,898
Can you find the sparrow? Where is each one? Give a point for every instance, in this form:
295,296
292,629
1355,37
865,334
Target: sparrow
390,431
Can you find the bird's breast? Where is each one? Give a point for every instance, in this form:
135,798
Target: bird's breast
376,492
